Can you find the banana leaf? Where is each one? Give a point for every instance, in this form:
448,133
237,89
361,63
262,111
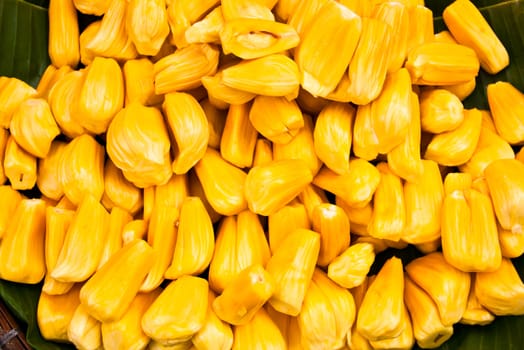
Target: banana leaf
23,54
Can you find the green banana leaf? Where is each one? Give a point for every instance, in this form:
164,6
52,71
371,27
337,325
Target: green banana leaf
23,54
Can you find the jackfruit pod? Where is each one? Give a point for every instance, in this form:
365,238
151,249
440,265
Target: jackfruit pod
172,193
183,69
48,169
285,220
195,240
88,228
420,26
19,166
240,243
423,201
302,13
147,25
312,196
507,190
12,93
356,187
62,100
272,75
57,223
428,329
225,193
239,137
462,90
489,147
475,313
87,55
456,147
261,331
332,223
48,79
444,36
284,9
169,322
440,111
134,229
292,266
196,190
181,14
215,333
332,136
4,136
359,292
511,244
63,46
288,327
341,92
447,286
244,295
263,152
250,9
334,305
463,242
207,30
389,206
276,118
139,82
309,103
350,268
320,74
118,218
368,67
9,201
110,39
506,103
270,187
84,331
65,203
382,310
81,169
404,341
189,126
94,110
149,194
107,297
500,291
397,16
362,232
138,144
90,7
365,139
119,192
359,216
222,95
357,341
126,332
391,111
22,249
33,127
216,119
250,38
438,63
161,236
55,312
404,160
300,147
470,28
